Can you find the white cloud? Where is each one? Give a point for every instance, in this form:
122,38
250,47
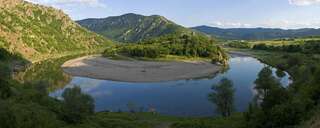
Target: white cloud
231,24
304,2
289,24
284,24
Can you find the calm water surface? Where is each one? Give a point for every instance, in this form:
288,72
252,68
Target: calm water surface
178,98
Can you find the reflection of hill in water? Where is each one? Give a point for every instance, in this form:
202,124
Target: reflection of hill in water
48,71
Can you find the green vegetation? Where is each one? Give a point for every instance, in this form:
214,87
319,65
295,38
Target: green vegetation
48,71
27,105
77,106
308,47
133,27
238,44
286,107
300,45
37,32
257,33
223,97
270,94
149,120
175,44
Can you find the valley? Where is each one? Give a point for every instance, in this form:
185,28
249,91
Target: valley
137,71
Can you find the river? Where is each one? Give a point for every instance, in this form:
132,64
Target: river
178,98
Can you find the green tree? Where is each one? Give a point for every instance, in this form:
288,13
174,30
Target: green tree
269,89
6,117
280,73
5,90
269,106
223,97
265,82
77,105
26,115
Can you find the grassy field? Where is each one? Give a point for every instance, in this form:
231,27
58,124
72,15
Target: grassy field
150,120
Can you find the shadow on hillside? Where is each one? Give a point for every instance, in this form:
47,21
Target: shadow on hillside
11,63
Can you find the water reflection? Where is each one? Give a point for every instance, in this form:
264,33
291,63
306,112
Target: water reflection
48,71
180,98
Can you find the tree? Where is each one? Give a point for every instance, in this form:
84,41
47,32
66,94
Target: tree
280,73
26,115
264,82
77,105
269,89
223,97
5,74
269,105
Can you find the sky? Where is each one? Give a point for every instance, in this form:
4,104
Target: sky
286,14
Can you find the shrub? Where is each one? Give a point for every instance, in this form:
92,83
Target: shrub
77,106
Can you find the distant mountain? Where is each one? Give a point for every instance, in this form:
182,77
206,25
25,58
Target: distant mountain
256,33
35,31
132,27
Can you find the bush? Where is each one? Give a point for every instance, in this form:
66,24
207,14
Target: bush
179,45
29,115
77,106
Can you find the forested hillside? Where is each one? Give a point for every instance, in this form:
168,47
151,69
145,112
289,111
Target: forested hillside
185,45
35,31
132,27
256,33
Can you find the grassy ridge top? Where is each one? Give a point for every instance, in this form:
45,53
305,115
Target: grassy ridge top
35,31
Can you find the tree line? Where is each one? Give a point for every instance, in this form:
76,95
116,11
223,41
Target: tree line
279,107
306,46
174,44
275,106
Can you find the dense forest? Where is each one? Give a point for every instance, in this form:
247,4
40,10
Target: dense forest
257,33
189,45
306,46
276,106
132,27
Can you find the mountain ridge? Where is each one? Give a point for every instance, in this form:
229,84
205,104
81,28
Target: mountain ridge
34,30
258,33
132,27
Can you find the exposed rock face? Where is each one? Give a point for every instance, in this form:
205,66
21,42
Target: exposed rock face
9,3
35,30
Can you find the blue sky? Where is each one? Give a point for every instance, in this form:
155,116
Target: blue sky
220,13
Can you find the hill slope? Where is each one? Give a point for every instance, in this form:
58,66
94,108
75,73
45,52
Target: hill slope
35,31
132,27
256,33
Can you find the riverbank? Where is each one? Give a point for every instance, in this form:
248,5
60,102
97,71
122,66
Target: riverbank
138,71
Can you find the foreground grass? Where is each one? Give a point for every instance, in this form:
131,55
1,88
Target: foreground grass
149,120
